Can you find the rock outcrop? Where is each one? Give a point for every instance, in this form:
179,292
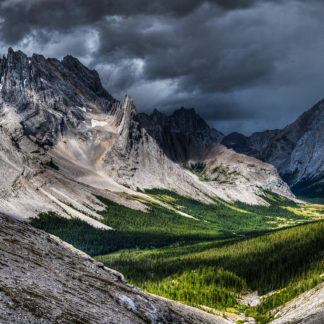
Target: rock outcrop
44,280
296,151
306,308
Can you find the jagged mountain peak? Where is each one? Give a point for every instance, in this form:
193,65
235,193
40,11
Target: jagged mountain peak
51,96
85,76
157,116
186,111
296,150
187,121
50,72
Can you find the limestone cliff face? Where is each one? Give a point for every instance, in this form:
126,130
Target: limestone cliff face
47,95
64,138
296,151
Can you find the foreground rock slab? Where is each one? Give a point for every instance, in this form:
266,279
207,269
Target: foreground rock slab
306,308
45,280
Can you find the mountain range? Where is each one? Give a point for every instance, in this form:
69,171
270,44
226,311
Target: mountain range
64,137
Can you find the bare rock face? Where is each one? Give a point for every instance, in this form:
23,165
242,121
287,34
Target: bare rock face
179,143
187,121
306,308
49,96
44,280
239,143
228,175
249,145
296,151
64,138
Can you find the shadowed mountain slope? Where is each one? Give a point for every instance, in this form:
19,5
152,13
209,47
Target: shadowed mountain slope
296,151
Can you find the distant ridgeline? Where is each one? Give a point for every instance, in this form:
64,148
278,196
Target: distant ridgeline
296,151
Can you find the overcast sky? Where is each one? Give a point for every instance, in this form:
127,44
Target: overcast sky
245,65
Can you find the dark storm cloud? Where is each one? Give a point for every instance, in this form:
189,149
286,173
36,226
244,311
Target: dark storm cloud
22,16
232,60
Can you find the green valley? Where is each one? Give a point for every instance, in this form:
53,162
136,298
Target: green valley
209,254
